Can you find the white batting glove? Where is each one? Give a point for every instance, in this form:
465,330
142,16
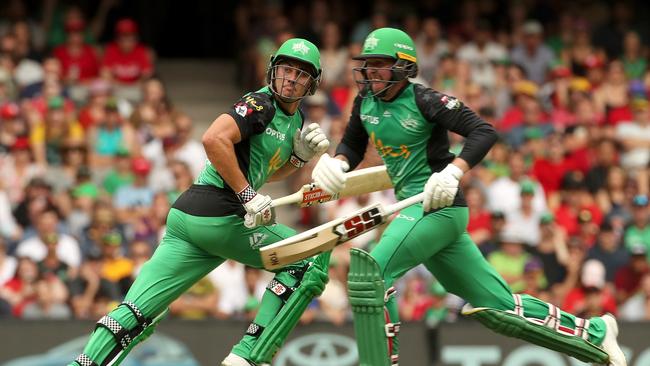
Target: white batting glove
441,188
259,210
309,142
329,173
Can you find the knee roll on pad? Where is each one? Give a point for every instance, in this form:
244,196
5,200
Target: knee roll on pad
547,333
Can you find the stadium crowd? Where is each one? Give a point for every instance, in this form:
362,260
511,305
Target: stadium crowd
93,153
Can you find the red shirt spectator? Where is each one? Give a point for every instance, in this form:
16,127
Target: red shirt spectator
126,60
628,279
78,60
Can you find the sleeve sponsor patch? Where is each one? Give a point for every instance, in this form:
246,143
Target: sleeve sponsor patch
450,103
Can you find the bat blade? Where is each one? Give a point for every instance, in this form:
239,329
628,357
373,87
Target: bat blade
328,235
322,238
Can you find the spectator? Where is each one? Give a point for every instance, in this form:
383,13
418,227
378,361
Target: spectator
134,200
8,264
479,225
509,260
230,281
509,187
552,251
37,198
47,136
609,251
110,135
606,158
91,294
93,111
18,169
50,300
120,173
21,289
534,281
526,218
415,302
628,278
633,61
480,53
634,136
188,150
334,56
532,54
8,227
575,199
67,248
139,253
115,267
637,307
127,61
79,60
638,234
431,47
592,297
612,98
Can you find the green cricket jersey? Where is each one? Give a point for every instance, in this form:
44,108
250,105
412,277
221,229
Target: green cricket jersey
266,145
410,134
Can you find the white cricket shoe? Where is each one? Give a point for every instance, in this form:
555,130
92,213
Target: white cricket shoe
234,360
610,345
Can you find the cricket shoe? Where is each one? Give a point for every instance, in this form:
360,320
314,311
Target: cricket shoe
610,345
234,360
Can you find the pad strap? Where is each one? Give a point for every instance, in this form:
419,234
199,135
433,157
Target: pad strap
121,334
552,320
280,289
582,328
84,360
254,330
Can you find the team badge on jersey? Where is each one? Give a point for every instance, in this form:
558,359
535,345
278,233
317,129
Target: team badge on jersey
242,110
450,103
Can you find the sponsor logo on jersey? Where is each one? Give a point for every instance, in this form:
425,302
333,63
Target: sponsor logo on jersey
409,123
278,135
450,103
242,110
257,239
275,162
373,120
300,47
384,150
387,114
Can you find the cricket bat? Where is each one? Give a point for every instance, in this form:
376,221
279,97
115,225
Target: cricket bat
327,236
358,182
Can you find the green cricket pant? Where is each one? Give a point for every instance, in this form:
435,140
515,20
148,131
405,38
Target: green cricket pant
440,241
192,247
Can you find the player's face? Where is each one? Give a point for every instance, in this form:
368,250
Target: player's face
378,69
292,79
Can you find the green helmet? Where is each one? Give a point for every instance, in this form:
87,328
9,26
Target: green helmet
300,50
387,43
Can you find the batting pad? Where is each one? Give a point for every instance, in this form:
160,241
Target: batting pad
513,325
366,293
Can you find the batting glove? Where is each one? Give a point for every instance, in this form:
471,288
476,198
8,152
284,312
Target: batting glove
308,143
259,210
329,173
441,188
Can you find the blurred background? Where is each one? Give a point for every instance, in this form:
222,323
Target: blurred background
102,105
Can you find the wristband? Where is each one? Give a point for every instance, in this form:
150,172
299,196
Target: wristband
246,194
296,161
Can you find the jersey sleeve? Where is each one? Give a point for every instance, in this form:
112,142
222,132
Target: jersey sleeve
355,139
452,114
252,113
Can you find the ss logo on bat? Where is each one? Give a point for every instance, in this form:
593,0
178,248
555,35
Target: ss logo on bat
357,225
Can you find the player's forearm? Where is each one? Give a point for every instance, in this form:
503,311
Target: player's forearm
285,171
221,153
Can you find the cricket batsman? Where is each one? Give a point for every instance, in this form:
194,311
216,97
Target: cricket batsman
223,217
408,125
